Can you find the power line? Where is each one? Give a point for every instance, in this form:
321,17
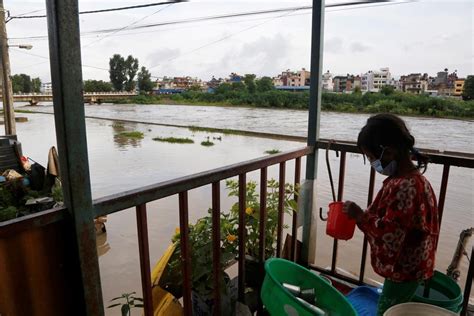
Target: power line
22,16
127,26
226,16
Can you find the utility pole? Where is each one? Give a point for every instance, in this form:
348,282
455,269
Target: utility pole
7,91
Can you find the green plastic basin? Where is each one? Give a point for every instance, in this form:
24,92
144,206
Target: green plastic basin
279,301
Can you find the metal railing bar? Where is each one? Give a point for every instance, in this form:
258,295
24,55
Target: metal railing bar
340,193
442,192
294,228
185,252
335,274
144,251
263,215
281,201
468,286
370,197
242,235
127,199
216,247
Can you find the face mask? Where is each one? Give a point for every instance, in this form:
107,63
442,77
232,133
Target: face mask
389,169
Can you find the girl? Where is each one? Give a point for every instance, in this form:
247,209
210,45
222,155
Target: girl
401,224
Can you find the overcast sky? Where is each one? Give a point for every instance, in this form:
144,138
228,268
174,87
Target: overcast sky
425,36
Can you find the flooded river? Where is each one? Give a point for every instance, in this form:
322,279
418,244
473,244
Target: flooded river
118,164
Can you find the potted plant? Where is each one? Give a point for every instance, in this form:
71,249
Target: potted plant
200,242
253,275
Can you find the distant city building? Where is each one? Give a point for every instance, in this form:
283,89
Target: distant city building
373,81
414,83
47,88
168,85
340,83
300,78
327,82
235,78
458,87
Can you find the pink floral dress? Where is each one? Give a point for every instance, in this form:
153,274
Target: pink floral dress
402,228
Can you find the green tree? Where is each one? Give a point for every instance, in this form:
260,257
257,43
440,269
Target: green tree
223,88
21,83
97,86
264,84
387,90
36,85
357,90
468,90
238,86
249,81
144,80
131,69
117,72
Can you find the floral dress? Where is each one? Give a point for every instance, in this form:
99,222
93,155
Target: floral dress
402,228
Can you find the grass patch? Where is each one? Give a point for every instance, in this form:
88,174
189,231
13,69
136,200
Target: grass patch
132,134
22,111
174,140
207,143
272,151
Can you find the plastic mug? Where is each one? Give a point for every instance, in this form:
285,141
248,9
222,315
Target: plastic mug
339,225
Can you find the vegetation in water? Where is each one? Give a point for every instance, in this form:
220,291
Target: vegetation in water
22,111
207,143
174,140
132,134
127,302
272,151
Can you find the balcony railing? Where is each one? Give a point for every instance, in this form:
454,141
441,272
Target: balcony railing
140,197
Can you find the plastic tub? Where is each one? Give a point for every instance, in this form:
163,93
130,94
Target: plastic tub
279,301
443,292
364,299
417,309
339,225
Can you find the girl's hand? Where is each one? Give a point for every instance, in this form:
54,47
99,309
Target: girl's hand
352,210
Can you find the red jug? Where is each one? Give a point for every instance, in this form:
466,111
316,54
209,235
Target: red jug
339,225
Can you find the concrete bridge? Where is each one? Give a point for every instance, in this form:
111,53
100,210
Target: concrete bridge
89,97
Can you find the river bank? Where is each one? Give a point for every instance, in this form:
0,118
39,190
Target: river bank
395,102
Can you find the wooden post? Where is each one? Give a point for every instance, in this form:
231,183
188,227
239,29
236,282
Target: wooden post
7,93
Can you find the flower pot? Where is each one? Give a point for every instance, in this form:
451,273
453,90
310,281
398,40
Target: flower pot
254,273
203,305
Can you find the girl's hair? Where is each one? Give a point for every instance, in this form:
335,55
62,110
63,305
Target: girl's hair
384,130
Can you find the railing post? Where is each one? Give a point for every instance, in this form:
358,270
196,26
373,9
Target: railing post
242,235
364,247
307,190
66,75
144,251
442,192
185,252
294,228
216,246
340,194
281,206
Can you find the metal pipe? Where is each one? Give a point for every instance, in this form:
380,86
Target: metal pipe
468,286
144,251
317,40
216,246
281,201
340,193
185,252
242,235
66,77
442,192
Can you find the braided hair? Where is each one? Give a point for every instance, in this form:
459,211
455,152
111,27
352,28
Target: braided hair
384,130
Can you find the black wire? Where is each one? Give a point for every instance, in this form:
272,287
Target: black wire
101,11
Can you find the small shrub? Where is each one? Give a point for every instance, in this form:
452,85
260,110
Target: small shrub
207,143
272,151
174,140
132,134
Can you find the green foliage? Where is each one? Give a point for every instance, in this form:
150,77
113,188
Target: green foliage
132,134
249,80
252,217
176,140
122,72
144,80
36,85
127,302
387,90
22,84
264,84
468,90
272,151
97,86
207,143
7,213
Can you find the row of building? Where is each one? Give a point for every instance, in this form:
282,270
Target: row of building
444,84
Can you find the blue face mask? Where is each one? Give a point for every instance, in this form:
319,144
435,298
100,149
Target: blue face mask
389,169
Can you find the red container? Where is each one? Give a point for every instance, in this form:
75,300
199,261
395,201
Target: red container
339,225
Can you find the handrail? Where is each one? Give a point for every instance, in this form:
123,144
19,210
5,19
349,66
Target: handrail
116,202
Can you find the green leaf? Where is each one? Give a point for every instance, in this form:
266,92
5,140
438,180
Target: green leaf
113,305
116,298
139,299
